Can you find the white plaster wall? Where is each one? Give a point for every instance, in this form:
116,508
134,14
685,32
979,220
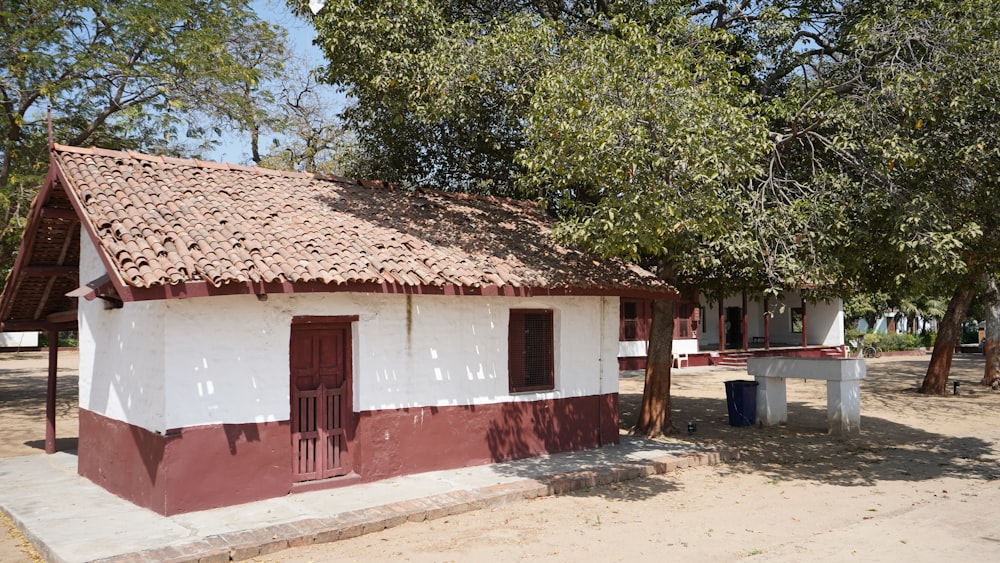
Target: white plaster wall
637,348
631,348
610,311
227,357
121,354
685,346
18,339
826,322
781,322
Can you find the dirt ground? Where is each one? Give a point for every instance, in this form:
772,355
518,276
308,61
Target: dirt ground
921,481
23,383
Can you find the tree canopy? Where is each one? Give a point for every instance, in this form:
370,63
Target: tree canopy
768,145
128,74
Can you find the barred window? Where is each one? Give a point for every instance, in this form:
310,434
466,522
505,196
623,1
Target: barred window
530,364
797,314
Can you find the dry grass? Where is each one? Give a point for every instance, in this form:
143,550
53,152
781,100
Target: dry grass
17,538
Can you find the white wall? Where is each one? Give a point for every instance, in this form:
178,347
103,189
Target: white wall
176,363
227,357
825,321
637,348
18,339
121,354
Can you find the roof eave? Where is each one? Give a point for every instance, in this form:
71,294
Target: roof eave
188,290
117,280
27,242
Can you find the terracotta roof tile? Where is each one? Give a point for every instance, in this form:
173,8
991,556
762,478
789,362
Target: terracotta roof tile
167,220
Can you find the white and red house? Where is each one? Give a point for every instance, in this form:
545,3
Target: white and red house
245,333
730,330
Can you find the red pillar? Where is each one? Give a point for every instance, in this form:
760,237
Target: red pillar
50,396
722,326
746,323
767,323
805,339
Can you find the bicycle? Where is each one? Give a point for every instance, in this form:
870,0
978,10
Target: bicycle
872,351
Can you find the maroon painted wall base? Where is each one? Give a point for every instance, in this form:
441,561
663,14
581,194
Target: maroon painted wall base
186,469
203,467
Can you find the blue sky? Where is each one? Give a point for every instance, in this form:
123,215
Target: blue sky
235,146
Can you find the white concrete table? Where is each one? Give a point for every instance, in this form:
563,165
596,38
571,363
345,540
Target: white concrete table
843,389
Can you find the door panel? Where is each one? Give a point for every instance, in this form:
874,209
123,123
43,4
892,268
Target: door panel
321,400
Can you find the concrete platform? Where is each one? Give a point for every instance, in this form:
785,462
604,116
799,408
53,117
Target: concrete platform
71,520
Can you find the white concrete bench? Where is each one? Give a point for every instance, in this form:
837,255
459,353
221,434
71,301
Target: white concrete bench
843,389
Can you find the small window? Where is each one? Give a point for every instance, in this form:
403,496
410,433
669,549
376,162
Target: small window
530,364
630,316
682,320
797,319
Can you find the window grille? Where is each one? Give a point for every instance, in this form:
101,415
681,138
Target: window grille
530,363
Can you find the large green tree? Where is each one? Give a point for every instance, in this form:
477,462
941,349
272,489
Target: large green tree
125,74
924,83
656,131
729,144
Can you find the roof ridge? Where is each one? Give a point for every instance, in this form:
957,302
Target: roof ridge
197,163
260,171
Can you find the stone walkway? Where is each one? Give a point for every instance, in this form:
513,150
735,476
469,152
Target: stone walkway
71,520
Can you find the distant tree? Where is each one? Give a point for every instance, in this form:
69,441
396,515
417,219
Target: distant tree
867,306
311,138
125,74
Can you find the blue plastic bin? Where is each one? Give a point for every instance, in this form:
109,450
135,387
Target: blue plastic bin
741,400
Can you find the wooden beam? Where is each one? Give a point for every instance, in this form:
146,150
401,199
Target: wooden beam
50,395
62,259
745,321
805,338
722,326
50,270
54,213
767,323
62,317
45,297
36,325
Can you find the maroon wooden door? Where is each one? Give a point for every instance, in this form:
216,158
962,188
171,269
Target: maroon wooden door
322,416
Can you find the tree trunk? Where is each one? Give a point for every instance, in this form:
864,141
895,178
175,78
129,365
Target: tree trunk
991,343
944,348
654,413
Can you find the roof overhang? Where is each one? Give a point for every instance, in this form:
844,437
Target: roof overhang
204,289
45,257
46,266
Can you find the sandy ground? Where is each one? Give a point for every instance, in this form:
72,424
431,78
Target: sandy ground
23,382
921,482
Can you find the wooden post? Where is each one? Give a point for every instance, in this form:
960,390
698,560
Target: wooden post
746,336
722,326
805,339
50,396
767,323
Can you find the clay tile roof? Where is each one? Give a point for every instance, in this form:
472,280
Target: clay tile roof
163,221
166,220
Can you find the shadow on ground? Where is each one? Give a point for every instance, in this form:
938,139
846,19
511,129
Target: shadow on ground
65,445
885,450
22,392
629,448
